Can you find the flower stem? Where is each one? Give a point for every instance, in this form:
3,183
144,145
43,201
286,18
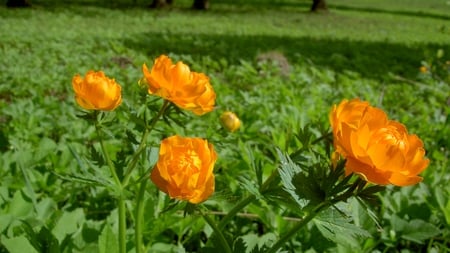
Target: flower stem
142,144
299,225
217,231
246,201
243,203
119,190
325,136
320,207
112,168
139,215
122,224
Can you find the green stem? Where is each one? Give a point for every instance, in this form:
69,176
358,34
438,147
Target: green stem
142,144
247,200
298,226
243,203
218,232
139,215
112,168
325,136
122,224
119,190
322,206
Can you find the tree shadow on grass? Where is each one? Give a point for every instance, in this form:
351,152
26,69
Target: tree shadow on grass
258,5
370,59
420,14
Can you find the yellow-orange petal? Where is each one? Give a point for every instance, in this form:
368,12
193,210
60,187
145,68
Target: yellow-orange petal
369,173
399,179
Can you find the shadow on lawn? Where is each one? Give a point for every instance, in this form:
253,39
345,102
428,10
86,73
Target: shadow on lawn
370,59
420,14
306,5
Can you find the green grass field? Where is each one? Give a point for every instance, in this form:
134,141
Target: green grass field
277,66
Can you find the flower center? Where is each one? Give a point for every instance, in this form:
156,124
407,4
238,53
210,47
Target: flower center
392,137
190,162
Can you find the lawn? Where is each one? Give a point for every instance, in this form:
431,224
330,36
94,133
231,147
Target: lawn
277,66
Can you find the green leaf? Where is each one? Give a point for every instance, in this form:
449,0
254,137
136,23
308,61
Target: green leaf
443,202
88,179
5,220
252,243
287,172
19,244
19,207
419,231
303,187
160,247
153,155
46,147
4,195
47,241
45,208
239,245
107,241
68,224
250,186
339,229
398,224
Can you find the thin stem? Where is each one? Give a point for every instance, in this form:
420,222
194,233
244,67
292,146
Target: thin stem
142,144
325,136
243,203
139,215
246,201
112,168
322,206
299,225
122,224
119,189
218,232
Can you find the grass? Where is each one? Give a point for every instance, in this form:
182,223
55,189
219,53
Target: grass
276,65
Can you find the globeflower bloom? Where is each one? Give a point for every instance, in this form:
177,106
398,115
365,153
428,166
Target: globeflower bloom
96,91
376,148
178,84
230,121
184,169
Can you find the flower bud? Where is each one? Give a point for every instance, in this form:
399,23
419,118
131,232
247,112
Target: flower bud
230,121
423,69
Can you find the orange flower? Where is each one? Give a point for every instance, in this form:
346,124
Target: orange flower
230,121
96,91
376,148
176,83
185,168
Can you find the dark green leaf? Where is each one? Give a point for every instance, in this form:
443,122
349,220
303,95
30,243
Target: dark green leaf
47,241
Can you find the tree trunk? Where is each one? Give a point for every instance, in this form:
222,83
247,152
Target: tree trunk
319,5
160,3
17,3
200,4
